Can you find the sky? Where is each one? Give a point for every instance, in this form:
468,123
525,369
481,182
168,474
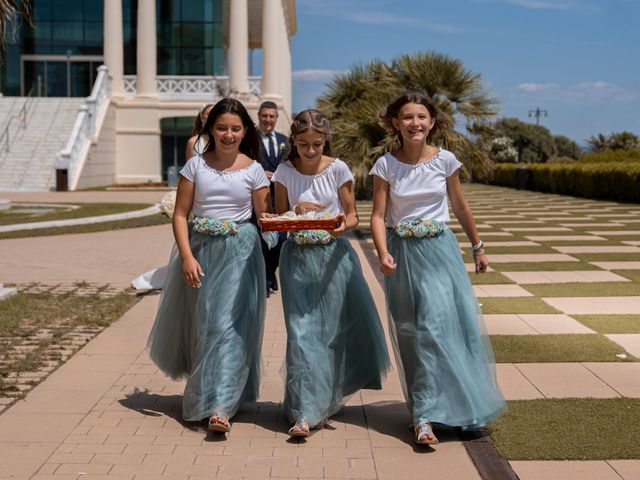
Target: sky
579,60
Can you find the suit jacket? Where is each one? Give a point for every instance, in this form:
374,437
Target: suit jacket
270,164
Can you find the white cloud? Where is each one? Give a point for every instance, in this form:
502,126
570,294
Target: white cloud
552,4
315,75
536,87
584,91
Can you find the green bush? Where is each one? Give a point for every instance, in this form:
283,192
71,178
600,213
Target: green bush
561,159
607,156
612,180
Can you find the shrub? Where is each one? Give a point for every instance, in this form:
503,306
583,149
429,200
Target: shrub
534,143
608,156
611,180
565,147
561,159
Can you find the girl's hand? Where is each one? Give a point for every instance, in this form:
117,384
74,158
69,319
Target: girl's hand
304,207
481,261
341,228
387,263
267,215
192,272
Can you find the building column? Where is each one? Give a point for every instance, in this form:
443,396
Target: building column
113,45
146,49
285,64
238,47
271,13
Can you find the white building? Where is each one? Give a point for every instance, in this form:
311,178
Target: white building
145,96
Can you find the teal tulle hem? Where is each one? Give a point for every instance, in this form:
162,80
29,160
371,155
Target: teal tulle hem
443,352
212,335
335,342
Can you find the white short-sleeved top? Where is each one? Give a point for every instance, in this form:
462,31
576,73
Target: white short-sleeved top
223,195
321,188
417,191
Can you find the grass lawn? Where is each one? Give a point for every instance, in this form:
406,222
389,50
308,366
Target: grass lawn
599,289
556,348
569,429
610,323
489,278
515,305
84,210
157,219
633,275
540,266
36,323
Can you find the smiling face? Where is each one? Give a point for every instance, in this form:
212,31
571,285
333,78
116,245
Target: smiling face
228,132
413,122
310,145
267,118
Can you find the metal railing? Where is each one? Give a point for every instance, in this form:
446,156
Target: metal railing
191,87
71,159
5,136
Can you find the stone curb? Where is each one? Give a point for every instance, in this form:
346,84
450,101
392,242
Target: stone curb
82,221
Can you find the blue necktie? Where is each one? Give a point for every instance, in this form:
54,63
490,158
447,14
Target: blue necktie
272,148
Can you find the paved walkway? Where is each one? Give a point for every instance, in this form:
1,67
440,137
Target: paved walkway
108,413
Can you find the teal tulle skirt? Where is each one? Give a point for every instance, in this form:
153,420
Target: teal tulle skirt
212,336
444,356
335,342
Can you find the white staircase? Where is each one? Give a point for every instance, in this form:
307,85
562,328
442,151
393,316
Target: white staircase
30,163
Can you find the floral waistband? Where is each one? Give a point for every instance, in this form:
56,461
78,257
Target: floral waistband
215,227
311,237
419,228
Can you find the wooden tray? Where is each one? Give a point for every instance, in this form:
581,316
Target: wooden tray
269,225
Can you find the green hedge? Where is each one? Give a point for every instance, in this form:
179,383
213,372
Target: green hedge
612,180
623,155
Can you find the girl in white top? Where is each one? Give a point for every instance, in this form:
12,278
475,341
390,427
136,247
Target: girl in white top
443,353
335,343
199,137
211,315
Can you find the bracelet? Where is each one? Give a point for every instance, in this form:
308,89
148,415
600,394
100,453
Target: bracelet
383,253
477,246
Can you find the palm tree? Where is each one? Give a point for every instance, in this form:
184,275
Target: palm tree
354,100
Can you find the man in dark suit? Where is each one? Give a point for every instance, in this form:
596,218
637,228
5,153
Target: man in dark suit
273,148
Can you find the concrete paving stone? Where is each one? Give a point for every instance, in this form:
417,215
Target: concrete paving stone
531,258
539,277
554,324
23,459
20,427
596,305
563,380
447,460
537,229
501,291
629,341
598,249
87,468
631,242
627,469
593,225
514,385
613,233
507,324
563,470
617,265
564,238
623,377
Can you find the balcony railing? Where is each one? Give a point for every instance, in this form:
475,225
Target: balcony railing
191,87
90,114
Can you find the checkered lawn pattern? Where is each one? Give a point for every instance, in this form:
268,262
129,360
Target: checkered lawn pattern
543,246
